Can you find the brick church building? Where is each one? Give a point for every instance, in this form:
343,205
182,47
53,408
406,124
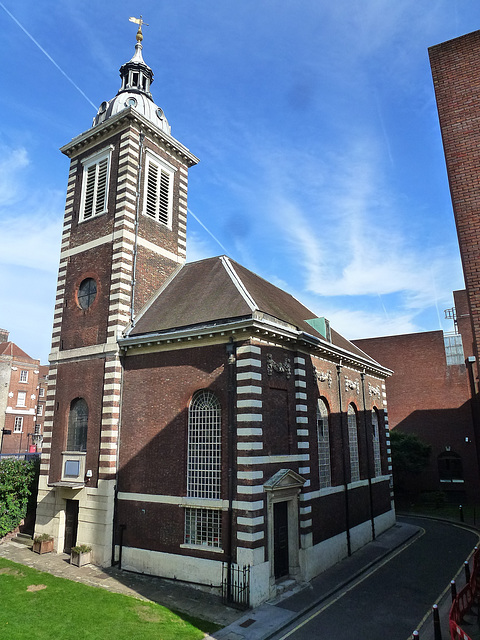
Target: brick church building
197,416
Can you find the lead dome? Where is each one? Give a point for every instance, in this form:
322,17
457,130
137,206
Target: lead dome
134,92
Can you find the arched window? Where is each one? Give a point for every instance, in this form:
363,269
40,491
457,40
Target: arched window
353,444
450,468
377,460
323,438
77,425
204,446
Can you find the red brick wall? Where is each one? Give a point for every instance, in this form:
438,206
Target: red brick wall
157,391
429,399
456,77
82,379
82,328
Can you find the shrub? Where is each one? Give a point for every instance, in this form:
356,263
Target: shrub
42,537
17,481
81,548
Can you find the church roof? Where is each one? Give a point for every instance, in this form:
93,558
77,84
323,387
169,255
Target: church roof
217,290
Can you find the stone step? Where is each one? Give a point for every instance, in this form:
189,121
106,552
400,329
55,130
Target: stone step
24,538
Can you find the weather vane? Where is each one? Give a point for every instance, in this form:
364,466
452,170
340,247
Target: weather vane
139,21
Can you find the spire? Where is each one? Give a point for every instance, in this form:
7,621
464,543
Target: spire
135,74
134,92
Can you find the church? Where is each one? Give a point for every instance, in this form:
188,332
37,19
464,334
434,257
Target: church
201,424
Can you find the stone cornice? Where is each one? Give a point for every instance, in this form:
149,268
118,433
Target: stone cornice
119,122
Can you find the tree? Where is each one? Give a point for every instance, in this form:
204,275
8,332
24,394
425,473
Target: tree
410,456
17,483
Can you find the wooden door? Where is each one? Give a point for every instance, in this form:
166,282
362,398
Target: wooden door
280,539
71,525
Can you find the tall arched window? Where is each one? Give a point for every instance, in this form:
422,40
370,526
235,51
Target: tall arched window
377,460
204,446
77,425
323,438
353,444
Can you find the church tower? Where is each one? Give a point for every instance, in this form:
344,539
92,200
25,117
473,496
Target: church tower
124,235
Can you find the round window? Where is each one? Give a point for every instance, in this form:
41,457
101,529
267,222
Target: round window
87,292
131,102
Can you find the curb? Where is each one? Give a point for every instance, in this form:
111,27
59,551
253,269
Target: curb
340,586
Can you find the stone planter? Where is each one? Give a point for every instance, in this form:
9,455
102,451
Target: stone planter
43,546
79,559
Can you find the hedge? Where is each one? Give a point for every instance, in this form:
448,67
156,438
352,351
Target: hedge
17,482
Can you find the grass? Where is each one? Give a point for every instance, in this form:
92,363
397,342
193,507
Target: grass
40,606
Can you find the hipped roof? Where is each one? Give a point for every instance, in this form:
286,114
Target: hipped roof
218,289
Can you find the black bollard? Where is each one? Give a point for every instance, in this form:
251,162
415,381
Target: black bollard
467,571
416,635
460,509
437,630
453,589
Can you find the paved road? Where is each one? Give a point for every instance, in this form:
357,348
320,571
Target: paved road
390,602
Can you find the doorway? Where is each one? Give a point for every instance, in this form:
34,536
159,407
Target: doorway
280,539
71,525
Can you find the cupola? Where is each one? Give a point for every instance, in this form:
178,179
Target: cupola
134,92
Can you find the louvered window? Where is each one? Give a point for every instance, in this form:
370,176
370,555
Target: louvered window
158,190
95,186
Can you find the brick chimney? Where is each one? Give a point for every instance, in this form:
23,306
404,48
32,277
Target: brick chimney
4,335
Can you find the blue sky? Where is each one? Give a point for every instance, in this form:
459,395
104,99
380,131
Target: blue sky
321,167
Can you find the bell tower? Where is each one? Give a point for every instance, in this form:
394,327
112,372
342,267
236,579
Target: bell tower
124,234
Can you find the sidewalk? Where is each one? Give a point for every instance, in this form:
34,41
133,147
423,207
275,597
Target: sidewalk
256,624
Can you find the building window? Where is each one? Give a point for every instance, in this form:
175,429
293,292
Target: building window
18,424
450,468
377,460
158,191
95,186
203,527
353,444
21,399
37,429
23,375
453,348
77,426
40,410
323,438
41,392
86,294
204,446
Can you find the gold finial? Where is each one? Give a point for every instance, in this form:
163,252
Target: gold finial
139,21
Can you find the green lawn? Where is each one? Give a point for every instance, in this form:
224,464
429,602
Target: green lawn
38,605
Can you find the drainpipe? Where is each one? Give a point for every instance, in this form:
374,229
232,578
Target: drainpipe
231,396
344,455
369,466
137,214
117,463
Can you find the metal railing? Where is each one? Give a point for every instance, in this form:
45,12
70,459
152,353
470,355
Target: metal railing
236,585
465,599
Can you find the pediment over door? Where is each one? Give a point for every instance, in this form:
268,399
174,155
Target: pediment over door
284,479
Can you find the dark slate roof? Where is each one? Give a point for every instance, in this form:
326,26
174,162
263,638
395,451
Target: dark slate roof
217,289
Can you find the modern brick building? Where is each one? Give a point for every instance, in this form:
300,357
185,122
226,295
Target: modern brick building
19,398
197,416
431,394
